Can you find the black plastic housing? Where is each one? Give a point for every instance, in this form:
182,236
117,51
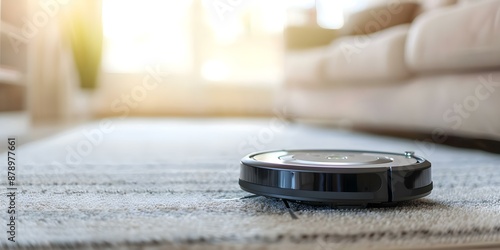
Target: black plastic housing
337,185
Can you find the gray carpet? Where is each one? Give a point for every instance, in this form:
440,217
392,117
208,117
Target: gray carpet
159,183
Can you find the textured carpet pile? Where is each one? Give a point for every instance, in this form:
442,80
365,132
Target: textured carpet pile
159,183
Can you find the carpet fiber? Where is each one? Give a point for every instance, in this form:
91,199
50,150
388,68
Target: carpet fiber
159,183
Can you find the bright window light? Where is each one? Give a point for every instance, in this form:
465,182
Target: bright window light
215,70
140,33
331,14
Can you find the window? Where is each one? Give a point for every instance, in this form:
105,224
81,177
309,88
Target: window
146,32
211,41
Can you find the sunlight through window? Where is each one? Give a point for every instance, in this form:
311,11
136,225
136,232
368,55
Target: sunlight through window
214,70
147,32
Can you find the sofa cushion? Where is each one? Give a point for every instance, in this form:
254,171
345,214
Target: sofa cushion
379,17
461,37
375,57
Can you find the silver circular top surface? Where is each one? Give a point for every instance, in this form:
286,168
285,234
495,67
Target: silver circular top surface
334,158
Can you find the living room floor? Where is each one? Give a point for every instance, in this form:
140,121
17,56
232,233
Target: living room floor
157,182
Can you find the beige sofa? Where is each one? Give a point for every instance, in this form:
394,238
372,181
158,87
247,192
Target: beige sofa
437,73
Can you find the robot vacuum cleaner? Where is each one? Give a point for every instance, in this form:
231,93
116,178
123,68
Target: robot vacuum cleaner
336,177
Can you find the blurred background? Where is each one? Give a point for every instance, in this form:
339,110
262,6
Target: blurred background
67,61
